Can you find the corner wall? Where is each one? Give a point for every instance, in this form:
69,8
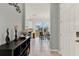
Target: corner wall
54,22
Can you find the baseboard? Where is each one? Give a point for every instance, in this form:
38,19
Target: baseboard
60,53
57,51
54,50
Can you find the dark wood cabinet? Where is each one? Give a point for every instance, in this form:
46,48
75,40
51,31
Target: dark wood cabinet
21,47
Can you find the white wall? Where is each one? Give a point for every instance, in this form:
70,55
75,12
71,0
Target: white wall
8,19
37,12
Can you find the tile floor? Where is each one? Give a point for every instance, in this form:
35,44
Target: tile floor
40,47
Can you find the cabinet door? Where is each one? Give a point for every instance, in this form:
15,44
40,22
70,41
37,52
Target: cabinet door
76,29
66,29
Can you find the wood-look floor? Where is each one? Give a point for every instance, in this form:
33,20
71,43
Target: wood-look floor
40,47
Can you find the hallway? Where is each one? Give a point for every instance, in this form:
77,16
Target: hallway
41,48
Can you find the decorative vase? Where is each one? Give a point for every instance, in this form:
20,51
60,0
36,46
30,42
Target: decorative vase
15,34
15,28
7,36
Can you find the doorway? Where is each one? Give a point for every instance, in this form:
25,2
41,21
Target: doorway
37,19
